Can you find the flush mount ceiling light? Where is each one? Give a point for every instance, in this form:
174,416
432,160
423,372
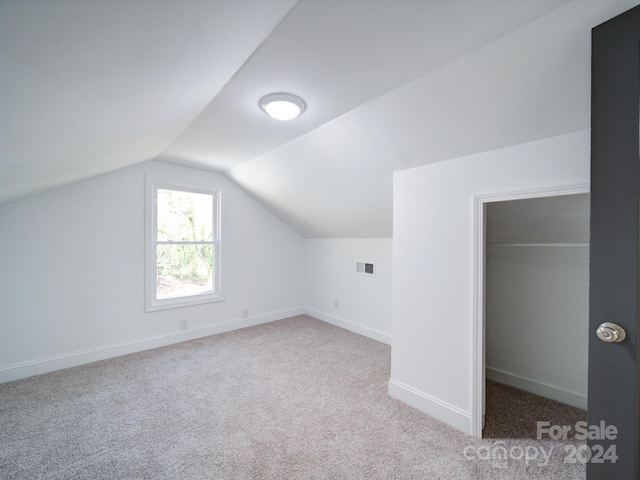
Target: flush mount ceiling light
282,106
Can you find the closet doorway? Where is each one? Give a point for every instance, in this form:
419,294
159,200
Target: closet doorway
534,312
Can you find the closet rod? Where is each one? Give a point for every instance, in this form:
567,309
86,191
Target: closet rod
507,244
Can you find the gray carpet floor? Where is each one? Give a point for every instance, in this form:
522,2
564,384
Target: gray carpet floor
293,399
512,413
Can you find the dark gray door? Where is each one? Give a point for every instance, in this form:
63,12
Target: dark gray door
615,190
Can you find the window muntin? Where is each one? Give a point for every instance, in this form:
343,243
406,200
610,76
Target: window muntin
183,259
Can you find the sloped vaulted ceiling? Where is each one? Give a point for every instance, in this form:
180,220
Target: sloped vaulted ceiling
88,87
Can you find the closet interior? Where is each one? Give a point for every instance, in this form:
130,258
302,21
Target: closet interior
537,292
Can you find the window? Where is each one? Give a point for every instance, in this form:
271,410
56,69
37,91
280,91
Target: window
183,246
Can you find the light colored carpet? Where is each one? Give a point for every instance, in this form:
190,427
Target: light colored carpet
294,399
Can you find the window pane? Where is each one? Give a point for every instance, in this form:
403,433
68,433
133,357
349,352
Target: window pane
184,216
184,270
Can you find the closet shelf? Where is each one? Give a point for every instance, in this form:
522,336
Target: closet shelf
511,244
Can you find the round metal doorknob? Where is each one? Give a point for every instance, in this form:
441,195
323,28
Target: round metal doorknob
611,332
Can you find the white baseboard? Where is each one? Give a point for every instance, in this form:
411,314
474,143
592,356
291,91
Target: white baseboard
424,402
538,388
358,328
58,362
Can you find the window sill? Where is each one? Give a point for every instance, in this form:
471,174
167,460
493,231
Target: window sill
157,305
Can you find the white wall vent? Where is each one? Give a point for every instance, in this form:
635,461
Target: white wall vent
366,268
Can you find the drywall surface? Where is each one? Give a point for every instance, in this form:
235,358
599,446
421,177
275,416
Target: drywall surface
334,292
72,271
537,319
434,267
531,84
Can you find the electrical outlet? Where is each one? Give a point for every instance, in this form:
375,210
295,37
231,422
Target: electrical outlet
245,312
336,304
184,324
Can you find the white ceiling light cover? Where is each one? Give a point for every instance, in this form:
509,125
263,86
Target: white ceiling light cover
282,106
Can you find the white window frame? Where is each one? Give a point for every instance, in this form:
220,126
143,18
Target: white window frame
152,303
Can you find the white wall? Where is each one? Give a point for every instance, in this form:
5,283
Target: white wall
72,272
433,264
537,319
363,302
